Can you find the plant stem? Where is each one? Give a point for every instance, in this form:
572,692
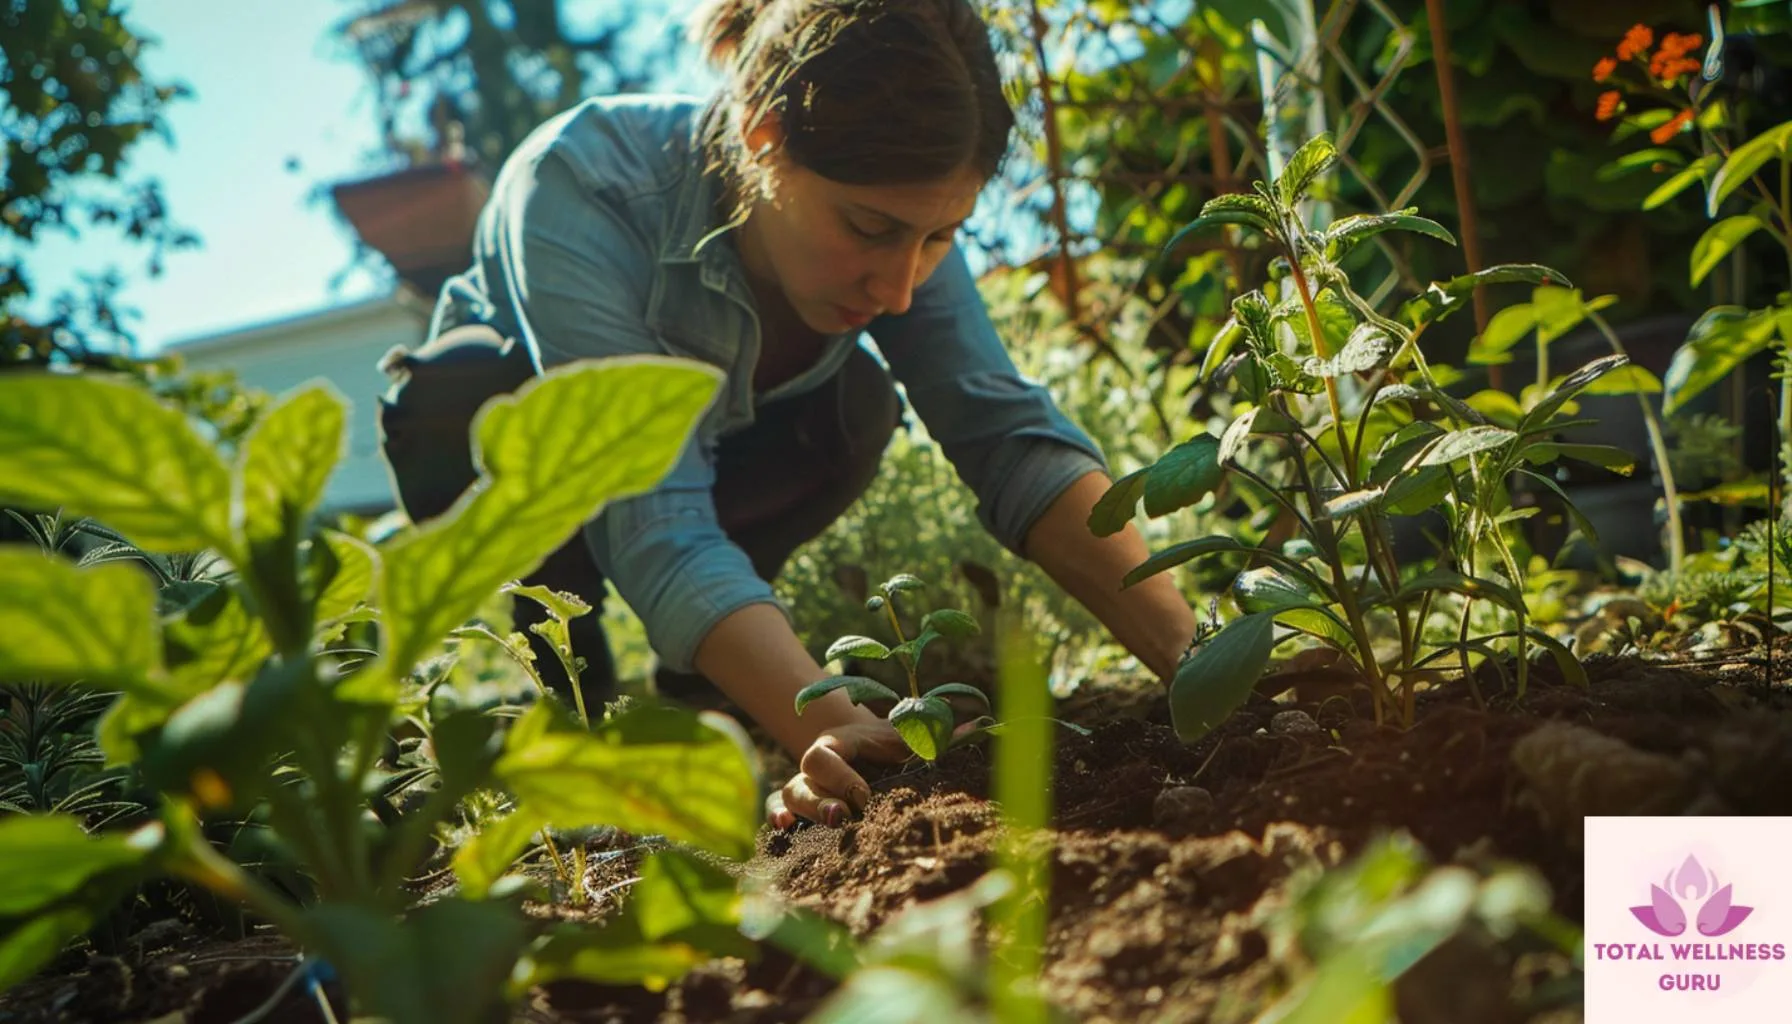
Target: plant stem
914,685
1331,383
1658,444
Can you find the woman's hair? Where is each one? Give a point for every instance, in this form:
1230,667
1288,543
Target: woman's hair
869,92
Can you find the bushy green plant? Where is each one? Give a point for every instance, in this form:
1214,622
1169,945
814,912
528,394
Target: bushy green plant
1366,432
924,720
232,701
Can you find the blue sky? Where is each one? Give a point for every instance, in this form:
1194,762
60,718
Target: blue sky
268,85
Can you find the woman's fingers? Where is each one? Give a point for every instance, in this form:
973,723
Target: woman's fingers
776,814
825,767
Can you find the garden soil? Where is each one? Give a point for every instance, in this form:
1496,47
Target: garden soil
1168,859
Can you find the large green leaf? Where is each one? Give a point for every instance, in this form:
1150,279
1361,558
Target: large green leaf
1115,508
1177,554
217,747
1719,240
287,460
28,944
1723,339
1442,298
550,456
651,770
1744,161
925,724
1240,209
445,964
1505,329
950,623
1186,474
216,640
351,583
49,857
1217,680
1368,347
109,450
859,689
63,624
1346,233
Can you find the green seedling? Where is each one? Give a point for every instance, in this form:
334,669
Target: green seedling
924,720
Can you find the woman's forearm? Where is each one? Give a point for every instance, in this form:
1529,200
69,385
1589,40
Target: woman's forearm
1151,618
755,658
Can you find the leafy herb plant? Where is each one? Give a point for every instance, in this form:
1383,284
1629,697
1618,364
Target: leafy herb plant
1365,431
232,701
924,720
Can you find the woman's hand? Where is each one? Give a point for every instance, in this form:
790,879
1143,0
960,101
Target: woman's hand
826,787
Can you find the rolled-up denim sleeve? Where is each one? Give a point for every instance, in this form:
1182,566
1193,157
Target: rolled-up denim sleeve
574,279
1008,440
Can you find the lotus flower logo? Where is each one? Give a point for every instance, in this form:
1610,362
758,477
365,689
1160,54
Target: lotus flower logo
1665,914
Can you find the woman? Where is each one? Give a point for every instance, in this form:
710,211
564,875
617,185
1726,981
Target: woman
813,200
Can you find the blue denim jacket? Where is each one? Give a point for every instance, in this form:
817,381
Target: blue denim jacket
600,239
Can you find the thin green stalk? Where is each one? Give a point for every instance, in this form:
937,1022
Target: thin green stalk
1327,536
1658,444
1331,384
914,685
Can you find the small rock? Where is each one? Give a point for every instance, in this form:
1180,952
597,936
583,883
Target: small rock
1294,723
1180,805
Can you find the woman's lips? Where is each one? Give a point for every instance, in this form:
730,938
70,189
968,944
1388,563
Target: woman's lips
853,317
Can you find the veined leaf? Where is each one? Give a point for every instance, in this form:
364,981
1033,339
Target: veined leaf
900,583
856,647
287,460
352,582
1468,441
1368,347
550,456
1442,298
106,449
1186,474
1719,240
1346,233
945,690
1114,509
859,689
1270,589
950,623
925,724
1217,680
559,603
1312,159
63,624
650,771
1218,219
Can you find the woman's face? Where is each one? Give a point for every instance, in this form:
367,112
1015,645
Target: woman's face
842,255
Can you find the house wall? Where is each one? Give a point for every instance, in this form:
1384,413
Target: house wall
341,346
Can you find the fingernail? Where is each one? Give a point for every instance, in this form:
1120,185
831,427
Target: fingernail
832,813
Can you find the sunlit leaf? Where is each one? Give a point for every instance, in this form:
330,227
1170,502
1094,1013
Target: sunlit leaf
1462,443
1719,240
107,449
551,456
1183,476
925,724
856,647
1744,161
1723,338
287,460
64,624
1218,679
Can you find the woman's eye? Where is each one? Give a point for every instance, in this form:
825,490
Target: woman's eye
867,233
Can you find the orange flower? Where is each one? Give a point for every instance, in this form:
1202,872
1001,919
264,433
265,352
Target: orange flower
1636,42
1660,136
1603,70
1666,69
1608,105
1678,45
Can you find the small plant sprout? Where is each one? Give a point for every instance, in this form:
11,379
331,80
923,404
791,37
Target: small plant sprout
924,720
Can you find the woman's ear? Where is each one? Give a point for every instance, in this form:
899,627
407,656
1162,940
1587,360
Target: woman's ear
764,138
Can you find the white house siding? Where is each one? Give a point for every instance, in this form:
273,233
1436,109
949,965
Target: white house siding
340,345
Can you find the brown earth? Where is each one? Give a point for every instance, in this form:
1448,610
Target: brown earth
1168,858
